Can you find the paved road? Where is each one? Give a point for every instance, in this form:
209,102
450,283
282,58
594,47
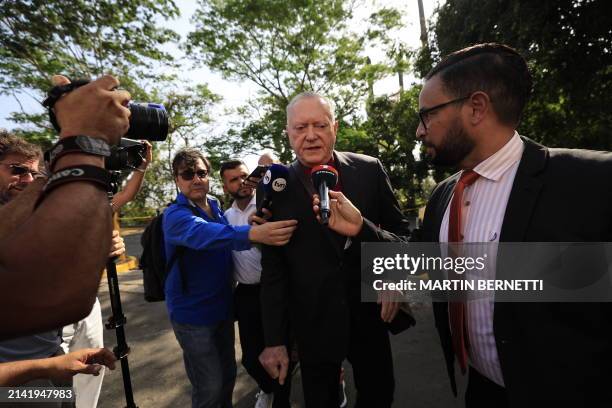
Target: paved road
159,378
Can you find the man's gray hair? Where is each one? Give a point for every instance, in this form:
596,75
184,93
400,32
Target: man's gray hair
303,95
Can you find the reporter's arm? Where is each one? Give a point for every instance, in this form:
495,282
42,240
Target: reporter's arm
132,186
85,361
51,264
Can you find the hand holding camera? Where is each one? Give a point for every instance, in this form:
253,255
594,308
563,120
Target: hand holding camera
96,109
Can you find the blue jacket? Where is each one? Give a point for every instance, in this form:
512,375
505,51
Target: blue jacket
207,262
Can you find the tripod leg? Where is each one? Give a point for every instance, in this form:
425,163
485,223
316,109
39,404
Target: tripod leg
116,321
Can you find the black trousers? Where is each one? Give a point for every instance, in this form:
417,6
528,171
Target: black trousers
248,313
484,393
370,356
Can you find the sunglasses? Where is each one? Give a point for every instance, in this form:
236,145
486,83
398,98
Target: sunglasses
19,170
188,175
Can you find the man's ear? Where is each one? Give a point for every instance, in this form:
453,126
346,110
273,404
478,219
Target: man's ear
336,125
480,107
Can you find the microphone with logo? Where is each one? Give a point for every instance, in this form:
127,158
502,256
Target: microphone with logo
324,177
274,182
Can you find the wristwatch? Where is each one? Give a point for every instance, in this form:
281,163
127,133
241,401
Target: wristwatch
77,144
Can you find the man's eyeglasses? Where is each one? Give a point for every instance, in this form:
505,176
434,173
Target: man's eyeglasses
21,171
188,175
424,113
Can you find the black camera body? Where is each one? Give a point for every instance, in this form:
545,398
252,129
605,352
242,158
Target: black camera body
127,155
148,121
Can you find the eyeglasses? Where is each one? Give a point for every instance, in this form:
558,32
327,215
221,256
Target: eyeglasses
21,171
424,113
188,175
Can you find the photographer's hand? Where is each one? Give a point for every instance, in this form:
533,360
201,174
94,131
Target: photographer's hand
95,110
149,156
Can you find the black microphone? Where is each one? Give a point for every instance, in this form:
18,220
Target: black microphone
274,181
324,177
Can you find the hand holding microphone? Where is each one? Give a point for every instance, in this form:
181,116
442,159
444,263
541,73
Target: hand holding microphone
345,218
338,213
274,182
324,177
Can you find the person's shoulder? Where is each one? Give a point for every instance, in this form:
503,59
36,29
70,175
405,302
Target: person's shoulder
357,157
585,156
177,209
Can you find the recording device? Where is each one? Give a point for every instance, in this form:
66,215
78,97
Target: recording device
324,177
129,154
256,175
274,182
148,121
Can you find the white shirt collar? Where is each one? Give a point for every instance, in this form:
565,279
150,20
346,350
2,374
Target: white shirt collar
251,203
494,167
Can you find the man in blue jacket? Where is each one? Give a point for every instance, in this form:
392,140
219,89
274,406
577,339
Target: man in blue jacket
199,286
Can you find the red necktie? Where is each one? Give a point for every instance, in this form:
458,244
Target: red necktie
457,309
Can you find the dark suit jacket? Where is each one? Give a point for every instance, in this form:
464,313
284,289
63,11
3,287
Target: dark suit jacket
551,354
313,280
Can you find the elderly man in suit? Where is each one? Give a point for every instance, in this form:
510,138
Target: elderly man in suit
313,283
509,189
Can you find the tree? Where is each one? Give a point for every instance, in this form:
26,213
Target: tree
92,37
189,112
285,48
39,38
389,134
568,45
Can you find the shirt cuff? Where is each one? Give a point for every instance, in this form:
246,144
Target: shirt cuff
241,241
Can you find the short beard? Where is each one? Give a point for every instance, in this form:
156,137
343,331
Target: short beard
454,147
238,196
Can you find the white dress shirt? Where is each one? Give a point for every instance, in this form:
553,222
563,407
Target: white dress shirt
247,264
483,208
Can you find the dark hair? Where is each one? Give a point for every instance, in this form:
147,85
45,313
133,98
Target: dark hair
188,157
230,164
11,144
496,69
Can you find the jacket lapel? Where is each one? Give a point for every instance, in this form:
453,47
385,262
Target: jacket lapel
525,191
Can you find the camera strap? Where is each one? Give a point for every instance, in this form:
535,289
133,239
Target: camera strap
76,144
92,174
56,93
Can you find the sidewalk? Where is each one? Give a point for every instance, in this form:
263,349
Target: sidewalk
159,379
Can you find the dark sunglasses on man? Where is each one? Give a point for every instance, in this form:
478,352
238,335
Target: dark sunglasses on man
188,175
19,170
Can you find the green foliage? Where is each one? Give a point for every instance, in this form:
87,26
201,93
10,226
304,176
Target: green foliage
286,47
389,134
85,38
568,44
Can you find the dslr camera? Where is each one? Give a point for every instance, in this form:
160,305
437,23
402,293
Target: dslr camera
148,121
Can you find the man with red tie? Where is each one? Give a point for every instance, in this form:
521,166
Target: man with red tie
509,189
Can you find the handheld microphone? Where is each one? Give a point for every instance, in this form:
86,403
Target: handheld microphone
274,181
324,177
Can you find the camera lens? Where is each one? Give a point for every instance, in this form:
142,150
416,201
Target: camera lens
148,121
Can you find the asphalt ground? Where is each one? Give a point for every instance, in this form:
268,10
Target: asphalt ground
159,379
